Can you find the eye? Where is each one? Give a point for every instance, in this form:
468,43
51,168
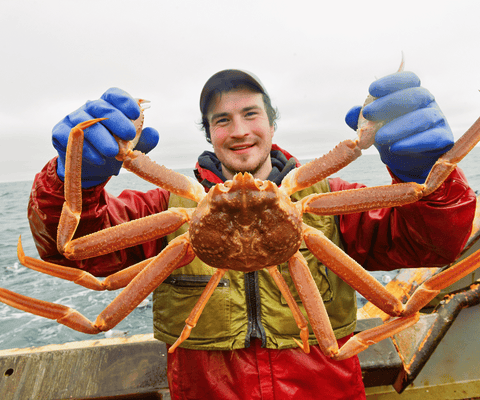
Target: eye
251,114
221,121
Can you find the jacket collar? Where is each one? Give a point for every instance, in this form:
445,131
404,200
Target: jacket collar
208,169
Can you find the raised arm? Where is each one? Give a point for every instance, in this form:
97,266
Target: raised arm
99,209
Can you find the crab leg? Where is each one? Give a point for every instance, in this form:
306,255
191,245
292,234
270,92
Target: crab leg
350,271
360,200
321,324
141,165
72,208
362,340
128,234
126,146
297,314
320,168
313,303
145,282
137,290
143,230
192,319
432,287
448,162
342,155
394,195
113,282
62,314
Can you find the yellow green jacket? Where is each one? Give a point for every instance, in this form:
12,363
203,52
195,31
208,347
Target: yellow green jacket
246,306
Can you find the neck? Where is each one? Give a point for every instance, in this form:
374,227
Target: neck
261,172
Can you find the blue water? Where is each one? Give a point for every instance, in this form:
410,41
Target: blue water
19,329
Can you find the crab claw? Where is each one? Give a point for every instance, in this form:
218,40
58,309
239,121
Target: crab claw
144,104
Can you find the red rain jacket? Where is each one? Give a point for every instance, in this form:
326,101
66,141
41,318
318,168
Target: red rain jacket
430,232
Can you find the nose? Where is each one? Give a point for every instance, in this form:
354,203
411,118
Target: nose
241,127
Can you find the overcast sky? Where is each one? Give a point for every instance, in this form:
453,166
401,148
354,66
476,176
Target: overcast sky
315,60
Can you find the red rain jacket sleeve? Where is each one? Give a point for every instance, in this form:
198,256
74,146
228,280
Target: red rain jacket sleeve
428,233
100,210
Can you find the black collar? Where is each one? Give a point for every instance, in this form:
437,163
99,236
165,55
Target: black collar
280,167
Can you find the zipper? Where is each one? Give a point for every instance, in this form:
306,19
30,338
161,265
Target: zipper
252,294
193,281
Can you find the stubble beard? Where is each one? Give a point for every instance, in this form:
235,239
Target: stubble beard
252,171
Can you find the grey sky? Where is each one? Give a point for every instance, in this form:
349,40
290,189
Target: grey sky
316,62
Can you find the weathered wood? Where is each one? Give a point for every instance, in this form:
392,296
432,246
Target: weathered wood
132,367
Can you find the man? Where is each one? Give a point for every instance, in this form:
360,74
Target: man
242,346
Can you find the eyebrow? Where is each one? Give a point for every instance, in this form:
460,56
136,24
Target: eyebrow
225,114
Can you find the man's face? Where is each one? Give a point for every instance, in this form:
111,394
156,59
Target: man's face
241,133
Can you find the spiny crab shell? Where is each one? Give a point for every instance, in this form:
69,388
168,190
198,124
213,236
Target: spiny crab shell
246,224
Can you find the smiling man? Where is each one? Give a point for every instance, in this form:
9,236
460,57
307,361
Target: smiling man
242,346
241,133
239,121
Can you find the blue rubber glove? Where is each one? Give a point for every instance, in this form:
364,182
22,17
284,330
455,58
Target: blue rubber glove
100,148
416,133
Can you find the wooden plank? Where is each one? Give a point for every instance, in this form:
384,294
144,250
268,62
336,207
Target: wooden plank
134,367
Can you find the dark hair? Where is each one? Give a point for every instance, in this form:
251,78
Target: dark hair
227,81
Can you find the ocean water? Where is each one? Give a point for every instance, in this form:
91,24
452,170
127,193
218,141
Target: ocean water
19,329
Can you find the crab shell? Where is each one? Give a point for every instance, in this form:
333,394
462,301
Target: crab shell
245,224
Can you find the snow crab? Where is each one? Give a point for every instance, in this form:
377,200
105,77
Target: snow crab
244,224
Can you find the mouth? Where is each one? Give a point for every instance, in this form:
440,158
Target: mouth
241,147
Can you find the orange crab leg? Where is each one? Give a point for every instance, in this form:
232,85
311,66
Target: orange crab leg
142,166
62,314
128,234
448,162
113,282
72,208
126,146
432,287
137,290
320,168
192,319
107,241
297,314
362,340
145,282
360,200
313,303
350,271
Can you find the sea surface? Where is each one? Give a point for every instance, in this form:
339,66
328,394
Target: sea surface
19,329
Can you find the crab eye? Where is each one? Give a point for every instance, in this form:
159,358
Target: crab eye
260,184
